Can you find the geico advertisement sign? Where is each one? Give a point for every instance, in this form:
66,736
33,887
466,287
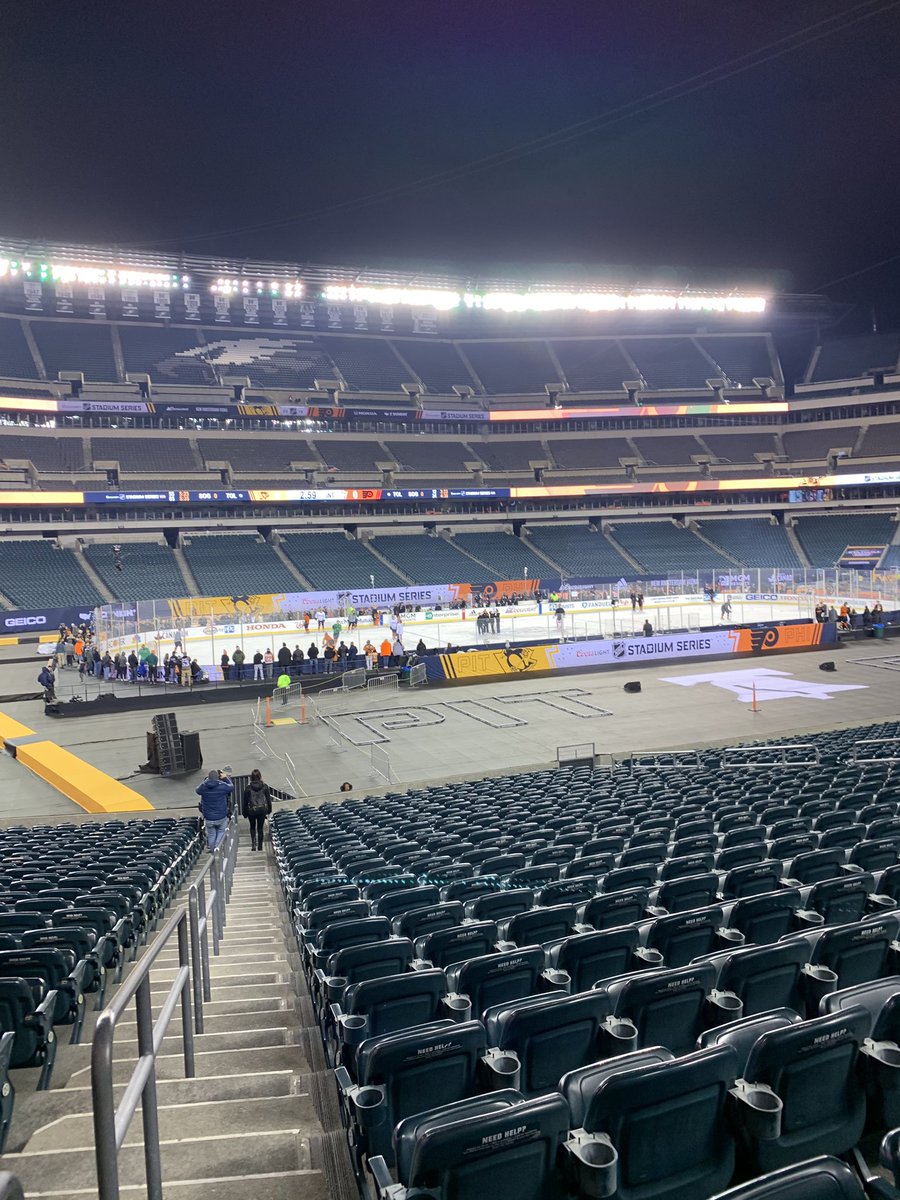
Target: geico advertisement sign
646,649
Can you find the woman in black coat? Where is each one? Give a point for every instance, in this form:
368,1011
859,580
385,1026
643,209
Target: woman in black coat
256,806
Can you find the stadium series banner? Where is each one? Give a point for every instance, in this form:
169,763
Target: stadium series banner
634,651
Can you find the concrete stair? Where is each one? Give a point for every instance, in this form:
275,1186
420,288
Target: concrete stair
259,1118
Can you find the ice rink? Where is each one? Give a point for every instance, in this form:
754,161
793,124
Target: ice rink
447,628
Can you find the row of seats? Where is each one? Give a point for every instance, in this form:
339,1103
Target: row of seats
672,962
67,926
281,359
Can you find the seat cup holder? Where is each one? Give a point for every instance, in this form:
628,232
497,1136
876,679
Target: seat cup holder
334,985
505,1070
353,1030
648,957
878,900
732,937
724,1007
806,918
820,981
761,1110
618,1036
884,1060
556,980
368,1105
459,1007
595,1165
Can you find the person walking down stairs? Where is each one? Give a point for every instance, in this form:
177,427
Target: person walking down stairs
256,806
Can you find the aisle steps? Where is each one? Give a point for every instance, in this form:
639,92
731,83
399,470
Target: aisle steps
248,1124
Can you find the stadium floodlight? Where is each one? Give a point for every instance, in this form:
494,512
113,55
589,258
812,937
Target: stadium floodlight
439,298
718,386
633,387
764,383
554,391
331,387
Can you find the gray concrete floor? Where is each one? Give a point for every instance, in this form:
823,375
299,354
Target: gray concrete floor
436,734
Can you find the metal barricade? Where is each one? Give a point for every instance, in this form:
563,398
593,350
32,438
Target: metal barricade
418,676
866,747
111,1120
351,680
287,697
648,760
381,763
390,683
579,755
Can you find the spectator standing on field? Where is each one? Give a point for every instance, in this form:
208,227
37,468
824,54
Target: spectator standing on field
269,663
225,663
385,652
313,654
297,661
256,806
47,680
283,682
152,666
284,657
328,655
257,665
371,655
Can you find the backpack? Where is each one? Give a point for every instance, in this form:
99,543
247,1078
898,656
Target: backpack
257,802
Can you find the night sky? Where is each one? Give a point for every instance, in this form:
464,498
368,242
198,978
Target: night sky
276,127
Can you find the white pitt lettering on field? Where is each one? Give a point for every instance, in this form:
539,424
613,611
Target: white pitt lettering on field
770,684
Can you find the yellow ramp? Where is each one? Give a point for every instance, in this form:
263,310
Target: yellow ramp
93,790
11,728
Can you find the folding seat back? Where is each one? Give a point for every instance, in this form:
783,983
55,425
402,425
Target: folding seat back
884,827
500,905
875,854
447,946
686,864
502,865
380,1006
468,888
622,878
743,835
812,1068
578,889
497,978
534,877
553,854
822,1178
794,844
371,960
590,958
32,1023
355,932
650,853
670,1008
685,936
409,1072
351,910
741,856
751,879
645,1113
540,925
843,899
743,1034
813,866
691,891
616,908
389,882
860,952
699,843
795,825
52,966
393,903
17,922
766,918
417,922
324,892
842,837
494,1145
611,845
765,977
593,865
552,1034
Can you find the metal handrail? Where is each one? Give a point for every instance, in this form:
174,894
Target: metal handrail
112,1121
205,912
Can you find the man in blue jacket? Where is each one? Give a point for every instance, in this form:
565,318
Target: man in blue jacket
215,805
